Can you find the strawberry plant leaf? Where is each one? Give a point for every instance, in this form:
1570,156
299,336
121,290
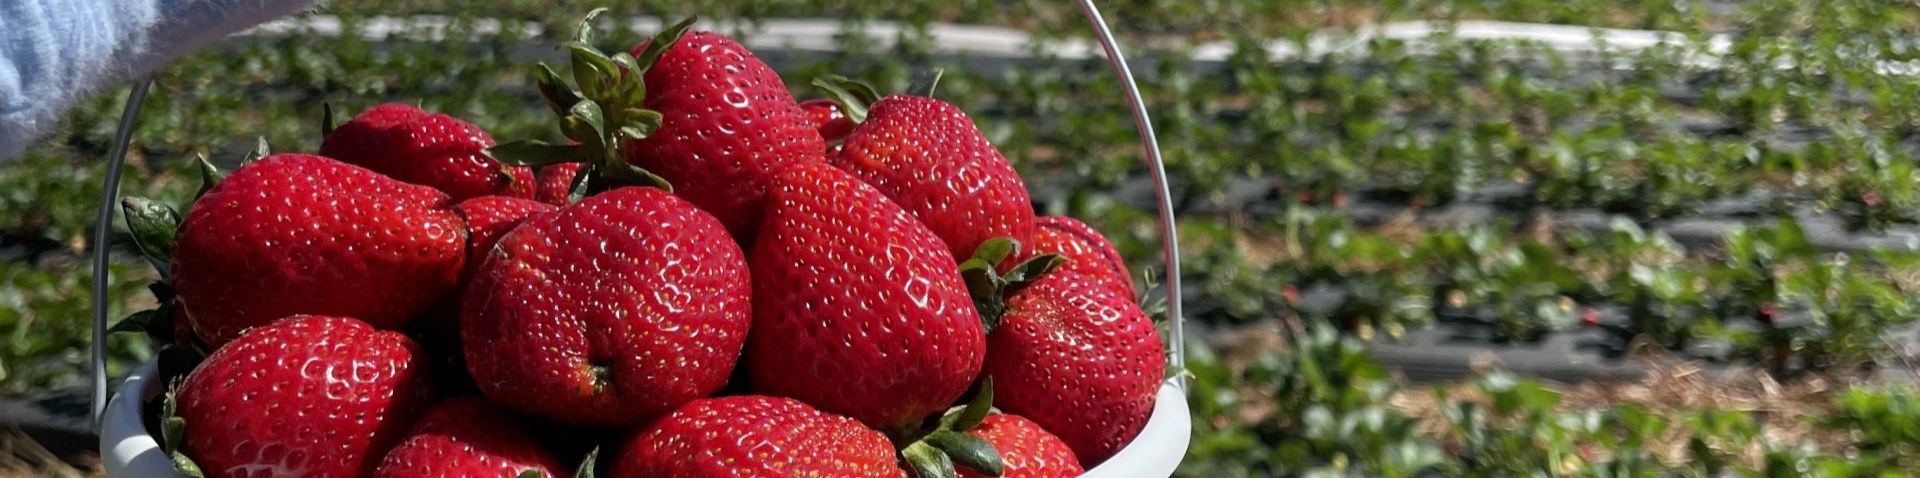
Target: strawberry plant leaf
260,150
533,152
584,33
928,462
210,175
968,451
925,82
152,226
976,410
326,119
641,121
587,465
530,474
582,182
852,96
554,91
590,114
141,321
659,44
631,174
1033,269
593,72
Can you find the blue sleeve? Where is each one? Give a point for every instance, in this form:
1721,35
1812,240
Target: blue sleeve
54,53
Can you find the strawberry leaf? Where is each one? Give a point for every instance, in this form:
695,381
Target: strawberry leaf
968,451
853,97
928,462
582,181
584,33
659,44
531,474
533,152
924,82
553,90
976,410
590,114
260,150
152,226
627,172
988,287
593,72
210,175
326,119
587,465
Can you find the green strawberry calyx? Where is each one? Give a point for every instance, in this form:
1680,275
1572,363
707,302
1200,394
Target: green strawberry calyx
154,227
988,286
934,453
855,97
599,111
173,430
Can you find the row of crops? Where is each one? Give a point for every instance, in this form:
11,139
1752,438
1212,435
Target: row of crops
1312,193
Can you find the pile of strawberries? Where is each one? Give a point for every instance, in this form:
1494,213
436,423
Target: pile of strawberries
707,279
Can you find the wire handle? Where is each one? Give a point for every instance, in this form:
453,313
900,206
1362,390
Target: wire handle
1169,230
1169,233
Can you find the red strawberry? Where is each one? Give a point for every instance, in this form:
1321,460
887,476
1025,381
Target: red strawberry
1079,359
927,156
609,311
467,436
728,126
430,149
555,182
306,396
490,217
707,118
1088,253
858,308
752,436
825,117
1027,450
300,234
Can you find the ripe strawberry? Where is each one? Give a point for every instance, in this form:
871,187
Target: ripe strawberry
490,217
1027,450
609,311
858,308
430,149
728,125
927,156
706,118
555,181
467,436
306,396
750,436
824,115
1079,359
301,234
1088,253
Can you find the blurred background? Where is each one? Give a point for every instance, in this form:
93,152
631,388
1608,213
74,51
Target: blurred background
1423,238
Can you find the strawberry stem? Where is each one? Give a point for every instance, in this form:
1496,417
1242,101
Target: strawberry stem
988,286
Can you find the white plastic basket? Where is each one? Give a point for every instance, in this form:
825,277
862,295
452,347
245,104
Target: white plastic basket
128,449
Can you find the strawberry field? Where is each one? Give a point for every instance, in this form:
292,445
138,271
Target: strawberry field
1442,254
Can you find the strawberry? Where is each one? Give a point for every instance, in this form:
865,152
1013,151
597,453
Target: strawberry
858,309
1079,359
728,125
608,311
750,436
305,396
929,157
555,181
1087,252
1027,450
425,148
301,234
703,117
490,217
824,115
467,436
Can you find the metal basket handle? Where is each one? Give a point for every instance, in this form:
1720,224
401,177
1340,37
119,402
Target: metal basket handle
1170,241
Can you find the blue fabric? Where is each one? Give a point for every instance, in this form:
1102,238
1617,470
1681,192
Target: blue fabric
55,52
